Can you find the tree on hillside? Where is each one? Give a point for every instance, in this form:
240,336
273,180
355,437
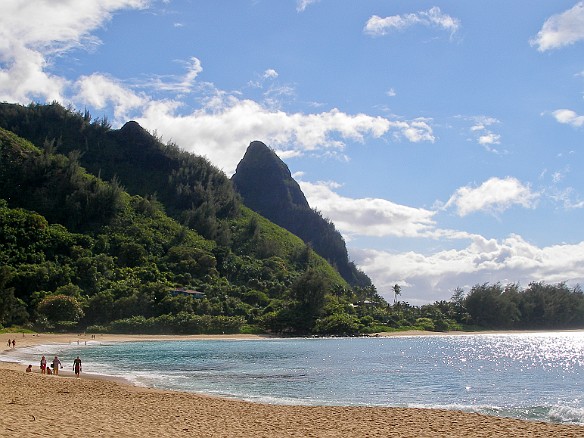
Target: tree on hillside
309,290
58,308
396,292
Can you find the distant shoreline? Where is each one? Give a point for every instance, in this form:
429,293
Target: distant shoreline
33,339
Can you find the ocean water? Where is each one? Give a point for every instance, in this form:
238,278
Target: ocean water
528,376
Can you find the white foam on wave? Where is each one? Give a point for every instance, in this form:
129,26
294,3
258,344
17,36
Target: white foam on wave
567,414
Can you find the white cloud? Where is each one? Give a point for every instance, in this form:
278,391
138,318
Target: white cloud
32,32
391,93
416,131
482,133
489,138
301,5
193,71
101,91
177,84
25,79
568,197
434,277
569,117
481,123
368,216
494,195
270,74
377,26
222,129
561,30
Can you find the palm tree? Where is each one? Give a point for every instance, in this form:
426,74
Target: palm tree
396,291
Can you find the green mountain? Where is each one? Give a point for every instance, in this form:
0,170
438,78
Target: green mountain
112,228
267,187
191,189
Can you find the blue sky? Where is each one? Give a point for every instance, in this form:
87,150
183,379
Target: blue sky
443,139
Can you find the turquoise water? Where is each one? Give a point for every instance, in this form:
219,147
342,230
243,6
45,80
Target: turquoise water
528,376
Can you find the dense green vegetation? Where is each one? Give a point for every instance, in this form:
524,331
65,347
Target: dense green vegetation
111,248
79,252
266,185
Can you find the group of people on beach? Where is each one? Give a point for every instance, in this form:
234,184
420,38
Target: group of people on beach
52,367
56,364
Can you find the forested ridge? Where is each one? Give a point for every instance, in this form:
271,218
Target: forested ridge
266,186
112,230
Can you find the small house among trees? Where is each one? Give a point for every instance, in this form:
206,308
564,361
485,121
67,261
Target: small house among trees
187,292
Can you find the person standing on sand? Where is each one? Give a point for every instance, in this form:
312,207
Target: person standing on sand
43,365
77,366
56,364
14,343
9,342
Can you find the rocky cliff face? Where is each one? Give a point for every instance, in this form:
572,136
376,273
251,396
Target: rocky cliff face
266,184
267,187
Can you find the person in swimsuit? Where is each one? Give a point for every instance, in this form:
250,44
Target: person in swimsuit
56,365
43,365
77,366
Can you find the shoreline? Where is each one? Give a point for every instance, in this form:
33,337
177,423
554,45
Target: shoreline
65,406
34,339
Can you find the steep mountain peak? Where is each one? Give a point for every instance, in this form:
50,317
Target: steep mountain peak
266,185
264,181
132,130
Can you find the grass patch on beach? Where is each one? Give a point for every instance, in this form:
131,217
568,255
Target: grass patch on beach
15,329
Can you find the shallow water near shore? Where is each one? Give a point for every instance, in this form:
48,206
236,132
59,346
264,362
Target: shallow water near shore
532,376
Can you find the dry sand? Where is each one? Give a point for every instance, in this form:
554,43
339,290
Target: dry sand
34,405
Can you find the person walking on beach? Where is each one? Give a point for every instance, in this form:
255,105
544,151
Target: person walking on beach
14,343
56,365
77,366
43,365
9,343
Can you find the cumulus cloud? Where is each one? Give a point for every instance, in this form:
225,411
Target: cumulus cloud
483,260
494,195
101,91
569,117
433,275
561,30
378,26
220,128
270,74
31,33
489,138
417,130
24,79
368,216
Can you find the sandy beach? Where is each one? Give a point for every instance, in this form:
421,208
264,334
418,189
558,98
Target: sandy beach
39,405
